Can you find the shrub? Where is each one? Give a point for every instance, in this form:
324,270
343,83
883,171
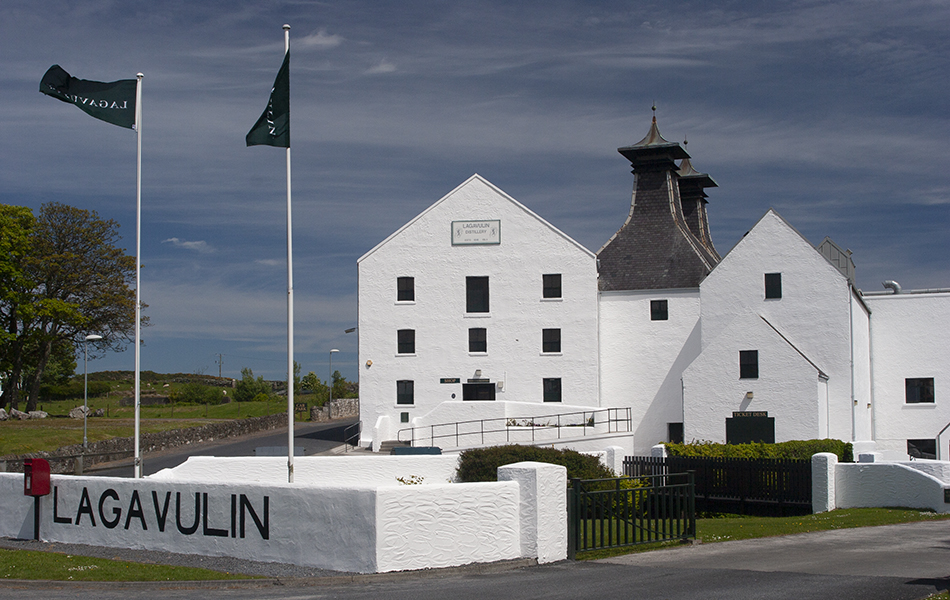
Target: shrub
248,389
481,464
800,449
195,393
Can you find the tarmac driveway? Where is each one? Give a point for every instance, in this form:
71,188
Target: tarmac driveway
895,562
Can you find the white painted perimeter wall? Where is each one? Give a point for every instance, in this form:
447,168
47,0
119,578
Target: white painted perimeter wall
362,529
334,471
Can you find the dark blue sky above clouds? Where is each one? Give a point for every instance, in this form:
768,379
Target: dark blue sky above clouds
833,113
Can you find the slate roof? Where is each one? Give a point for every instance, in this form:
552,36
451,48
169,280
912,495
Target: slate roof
655,248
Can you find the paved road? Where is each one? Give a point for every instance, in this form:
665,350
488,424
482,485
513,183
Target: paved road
312,438
897,562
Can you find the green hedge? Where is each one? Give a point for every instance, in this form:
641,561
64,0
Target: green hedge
803,449
481,464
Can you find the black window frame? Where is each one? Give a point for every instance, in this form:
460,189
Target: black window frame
551,341
551,285
477,297
477,339
919,390
405,289
405,389
773,286
748,364
406,341
476,392
659,310
922,448
674,433
551,389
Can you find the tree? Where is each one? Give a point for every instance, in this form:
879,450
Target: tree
71,281
249,388
16,224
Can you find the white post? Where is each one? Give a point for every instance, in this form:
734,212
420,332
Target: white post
85,387
137,468
85,392
290,309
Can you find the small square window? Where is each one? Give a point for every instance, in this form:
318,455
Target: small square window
773,285
748,364
551,340
405,289
922,448
405,394
476,294
477,339
552,389
919,390
403,417
407,341
552,286
659,310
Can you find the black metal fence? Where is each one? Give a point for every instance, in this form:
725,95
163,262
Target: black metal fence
608,513
764,487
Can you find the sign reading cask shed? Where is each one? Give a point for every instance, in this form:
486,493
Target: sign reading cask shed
475,233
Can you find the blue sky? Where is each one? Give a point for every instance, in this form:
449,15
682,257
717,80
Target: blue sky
833,113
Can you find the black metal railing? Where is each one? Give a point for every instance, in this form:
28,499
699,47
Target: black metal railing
626,511
765,487
520,429
351,433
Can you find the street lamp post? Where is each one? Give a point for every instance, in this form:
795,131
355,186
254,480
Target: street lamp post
330,376
85,387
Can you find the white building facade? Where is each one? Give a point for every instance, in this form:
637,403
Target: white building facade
479,309
472,310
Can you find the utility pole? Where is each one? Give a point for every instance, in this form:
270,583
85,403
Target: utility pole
220,362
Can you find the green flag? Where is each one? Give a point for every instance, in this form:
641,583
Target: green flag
112,102
273,128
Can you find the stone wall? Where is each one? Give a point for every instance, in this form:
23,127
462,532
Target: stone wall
337,409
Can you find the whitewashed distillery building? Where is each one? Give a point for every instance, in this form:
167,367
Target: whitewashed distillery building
478,309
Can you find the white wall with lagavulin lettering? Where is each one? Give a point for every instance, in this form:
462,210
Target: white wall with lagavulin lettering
352,528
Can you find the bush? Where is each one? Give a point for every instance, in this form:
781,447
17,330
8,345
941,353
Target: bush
800,449
481,464
195,393
249,389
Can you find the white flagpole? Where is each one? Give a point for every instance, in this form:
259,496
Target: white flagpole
137,463
290,307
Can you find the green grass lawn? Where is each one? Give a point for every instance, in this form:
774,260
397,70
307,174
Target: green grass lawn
742,528
35,435
28,564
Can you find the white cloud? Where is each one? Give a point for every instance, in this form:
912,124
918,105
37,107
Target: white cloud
320,39
197,246
384,66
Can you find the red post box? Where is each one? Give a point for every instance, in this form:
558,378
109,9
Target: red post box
36,484
35,477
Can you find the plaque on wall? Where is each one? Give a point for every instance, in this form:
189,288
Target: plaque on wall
750,413
476,233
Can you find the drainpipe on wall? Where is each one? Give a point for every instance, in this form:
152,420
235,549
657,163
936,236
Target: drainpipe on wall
851,344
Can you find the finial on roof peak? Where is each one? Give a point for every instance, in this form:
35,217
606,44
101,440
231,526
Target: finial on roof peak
654,111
